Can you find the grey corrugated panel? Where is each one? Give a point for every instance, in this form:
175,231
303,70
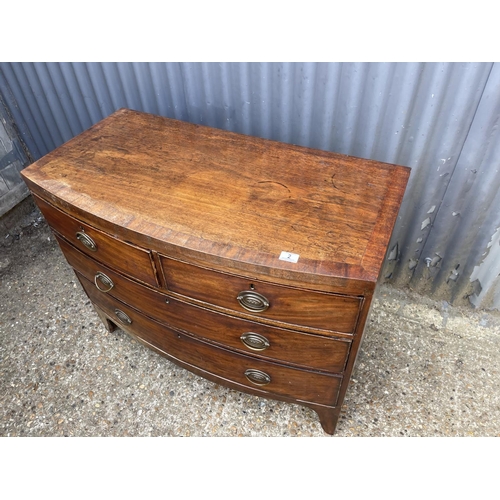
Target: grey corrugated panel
198,111
12,160
176,86
162,93
414,114
19,109
75,95
57,128
434,135
469,213
62,103
97,96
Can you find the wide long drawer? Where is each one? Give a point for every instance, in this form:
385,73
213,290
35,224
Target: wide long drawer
279,344
308,308
253,373
132,260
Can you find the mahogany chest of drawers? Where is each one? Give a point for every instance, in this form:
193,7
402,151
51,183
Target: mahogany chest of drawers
250,262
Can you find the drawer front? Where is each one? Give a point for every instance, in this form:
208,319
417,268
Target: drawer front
278,344
290,305
125,257
270,378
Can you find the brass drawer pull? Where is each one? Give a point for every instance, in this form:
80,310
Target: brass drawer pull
255,341
257,377
105,280
122,316
252,301
86,241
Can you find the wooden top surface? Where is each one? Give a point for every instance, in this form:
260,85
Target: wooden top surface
228,195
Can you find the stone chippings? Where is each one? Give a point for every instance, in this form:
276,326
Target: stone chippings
424,368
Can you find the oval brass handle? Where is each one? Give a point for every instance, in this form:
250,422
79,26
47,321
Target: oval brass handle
86,240
122,316
105,280
255,341
257,377
252,301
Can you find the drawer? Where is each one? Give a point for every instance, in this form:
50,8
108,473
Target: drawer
132,260
307,308
278,344
269,378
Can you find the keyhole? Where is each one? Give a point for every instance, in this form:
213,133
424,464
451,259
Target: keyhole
252,287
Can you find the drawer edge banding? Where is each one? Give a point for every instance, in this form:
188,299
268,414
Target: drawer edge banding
298,374
332,352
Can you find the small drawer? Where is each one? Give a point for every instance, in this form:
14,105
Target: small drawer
318,310
265,377
131,260
267,342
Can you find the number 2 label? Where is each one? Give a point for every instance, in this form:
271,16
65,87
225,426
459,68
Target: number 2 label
289,257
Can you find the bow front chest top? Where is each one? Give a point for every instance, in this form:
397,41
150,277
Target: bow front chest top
249,262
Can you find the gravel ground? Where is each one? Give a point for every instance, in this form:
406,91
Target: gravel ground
424,369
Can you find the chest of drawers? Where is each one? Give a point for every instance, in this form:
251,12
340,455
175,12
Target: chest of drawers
250,262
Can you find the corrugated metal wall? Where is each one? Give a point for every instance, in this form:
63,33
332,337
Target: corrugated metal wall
440,119
13,158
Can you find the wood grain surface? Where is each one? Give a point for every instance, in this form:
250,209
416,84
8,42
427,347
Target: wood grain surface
300,308
304,385
186,217
286,346
131,260
231,196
